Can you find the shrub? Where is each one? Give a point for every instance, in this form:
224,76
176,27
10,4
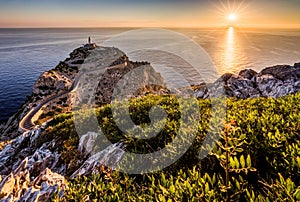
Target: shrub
255,159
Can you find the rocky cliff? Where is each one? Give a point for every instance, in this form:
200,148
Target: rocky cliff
33,163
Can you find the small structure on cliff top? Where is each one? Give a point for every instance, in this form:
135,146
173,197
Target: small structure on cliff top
90,45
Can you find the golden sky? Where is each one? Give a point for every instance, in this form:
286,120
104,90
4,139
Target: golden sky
143,13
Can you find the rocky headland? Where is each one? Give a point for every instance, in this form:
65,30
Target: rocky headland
32,166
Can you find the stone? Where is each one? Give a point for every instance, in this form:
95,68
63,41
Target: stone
20,187
225,77
87,142
109,156
201,90
52,179
241,87
297,65
247,73
276,81
281,72
131,80
7,186
49,83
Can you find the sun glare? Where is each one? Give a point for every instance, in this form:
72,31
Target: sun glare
232,17
233,13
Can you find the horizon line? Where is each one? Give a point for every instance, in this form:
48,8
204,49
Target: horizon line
158,27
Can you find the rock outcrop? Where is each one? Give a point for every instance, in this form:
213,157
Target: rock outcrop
20,186
26,167
131,80
51,82
32,167
41,153
272,82
108,156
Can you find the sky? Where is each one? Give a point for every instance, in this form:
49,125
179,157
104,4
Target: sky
149,13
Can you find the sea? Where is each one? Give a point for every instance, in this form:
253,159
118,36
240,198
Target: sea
26,53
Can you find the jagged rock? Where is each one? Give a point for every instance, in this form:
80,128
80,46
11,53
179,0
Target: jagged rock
247,73
7,186
51,82
225,77
274,82
41,159
201,91
109,156
11,150
52,179
18,185
87,142
266,82
241,87
281,72
37,158
131,80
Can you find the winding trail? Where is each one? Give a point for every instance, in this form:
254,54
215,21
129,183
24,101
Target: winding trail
26,123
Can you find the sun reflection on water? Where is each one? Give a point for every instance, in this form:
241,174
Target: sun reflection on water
230,49
232,55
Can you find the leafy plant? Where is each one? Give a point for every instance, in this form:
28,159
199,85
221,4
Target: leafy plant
255,159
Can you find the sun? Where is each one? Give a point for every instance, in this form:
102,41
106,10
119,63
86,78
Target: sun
232,17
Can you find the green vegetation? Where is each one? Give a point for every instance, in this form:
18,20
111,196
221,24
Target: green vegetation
257,157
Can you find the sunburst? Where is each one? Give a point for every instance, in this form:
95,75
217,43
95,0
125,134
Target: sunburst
232,12
232,17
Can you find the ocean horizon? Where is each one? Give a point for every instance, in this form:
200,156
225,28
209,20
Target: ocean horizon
27,52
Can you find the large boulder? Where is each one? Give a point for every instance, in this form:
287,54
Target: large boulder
247,73
241,87
224,78
201,91
282,72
